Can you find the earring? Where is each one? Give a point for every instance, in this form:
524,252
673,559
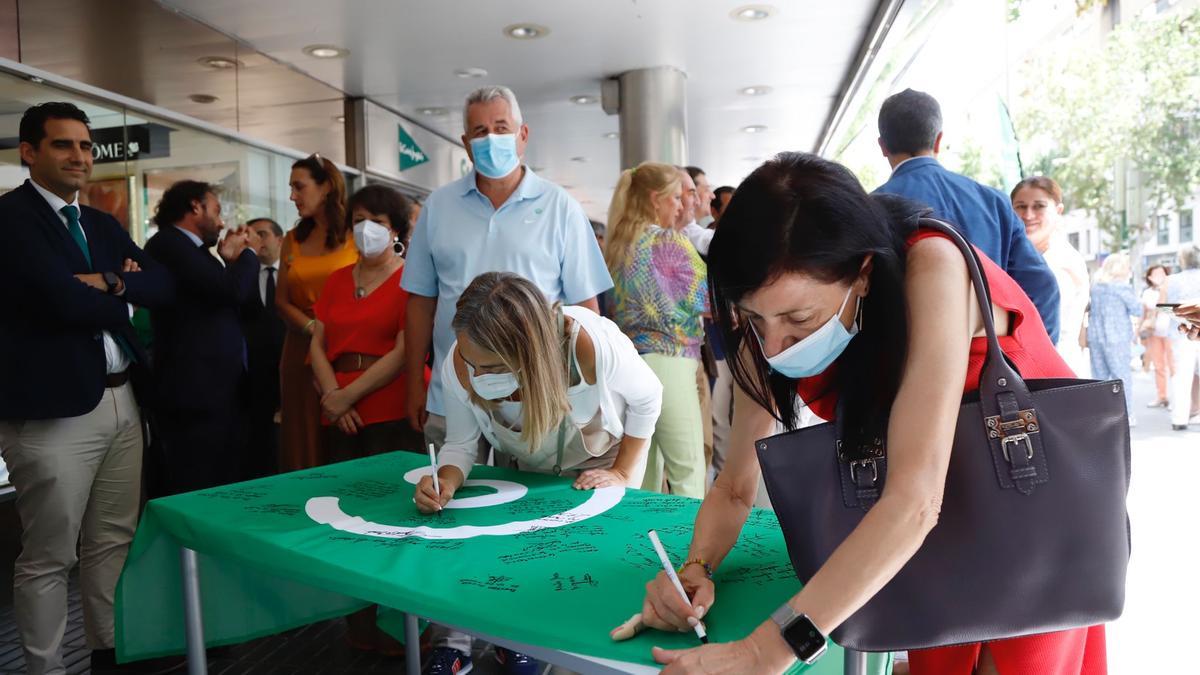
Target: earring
398,247
858,318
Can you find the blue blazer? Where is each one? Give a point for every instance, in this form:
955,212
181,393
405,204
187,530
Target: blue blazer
986,218
199,350
51,352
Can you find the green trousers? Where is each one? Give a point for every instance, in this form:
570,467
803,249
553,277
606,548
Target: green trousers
677,447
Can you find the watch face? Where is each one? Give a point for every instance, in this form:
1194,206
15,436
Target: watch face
805,640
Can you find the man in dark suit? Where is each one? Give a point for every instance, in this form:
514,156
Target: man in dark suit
70,428
264,331
199,351
910,135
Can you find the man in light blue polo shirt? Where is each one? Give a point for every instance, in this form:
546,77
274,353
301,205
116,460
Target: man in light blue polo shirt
499,217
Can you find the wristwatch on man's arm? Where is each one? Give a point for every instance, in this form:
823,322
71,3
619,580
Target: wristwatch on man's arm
115,285
800,633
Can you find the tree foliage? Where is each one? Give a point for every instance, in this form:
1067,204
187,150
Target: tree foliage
1133,96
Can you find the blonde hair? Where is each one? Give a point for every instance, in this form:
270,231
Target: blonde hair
509,316
1114,270
631,210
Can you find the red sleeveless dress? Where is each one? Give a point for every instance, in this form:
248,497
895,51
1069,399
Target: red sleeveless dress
1080,651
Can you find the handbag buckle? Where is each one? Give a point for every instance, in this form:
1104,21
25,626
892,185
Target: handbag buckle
1017,439
1026,423
863,463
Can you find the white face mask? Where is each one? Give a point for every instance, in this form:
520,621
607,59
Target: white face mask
493,386
812,355
371,238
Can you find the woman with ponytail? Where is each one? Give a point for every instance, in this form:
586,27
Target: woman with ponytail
659,297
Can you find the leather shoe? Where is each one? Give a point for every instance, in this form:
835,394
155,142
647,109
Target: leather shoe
104,662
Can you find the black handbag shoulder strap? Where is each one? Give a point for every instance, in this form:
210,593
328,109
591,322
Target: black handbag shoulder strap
1009,415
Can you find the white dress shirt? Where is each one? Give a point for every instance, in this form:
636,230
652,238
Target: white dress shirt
115,360
701,237
262,281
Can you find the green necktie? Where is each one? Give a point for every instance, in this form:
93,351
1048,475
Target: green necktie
72,214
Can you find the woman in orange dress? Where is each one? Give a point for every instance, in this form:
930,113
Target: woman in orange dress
311,252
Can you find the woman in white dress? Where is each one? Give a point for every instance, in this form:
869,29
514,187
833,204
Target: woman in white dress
1038,202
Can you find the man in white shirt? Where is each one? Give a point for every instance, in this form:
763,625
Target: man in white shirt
70,428
264,332
699,235
704,196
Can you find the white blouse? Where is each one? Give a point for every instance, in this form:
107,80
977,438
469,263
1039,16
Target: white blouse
629,394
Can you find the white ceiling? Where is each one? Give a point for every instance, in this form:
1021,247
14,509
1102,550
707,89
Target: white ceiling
404,54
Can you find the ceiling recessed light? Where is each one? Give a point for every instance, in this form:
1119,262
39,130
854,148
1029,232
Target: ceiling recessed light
567,187
538,169
202,98
611,135
584,99
468,73
35,79
756,90
436,111
755,129
340,118
526,31
326,51
581,159
219,62
753,12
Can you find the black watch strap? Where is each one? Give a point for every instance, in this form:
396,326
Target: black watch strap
808,643
112,280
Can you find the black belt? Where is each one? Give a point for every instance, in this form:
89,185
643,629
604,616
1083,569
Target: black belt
114,380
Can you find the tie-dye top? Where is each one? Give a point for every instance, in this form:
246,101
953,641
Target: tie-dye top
660,293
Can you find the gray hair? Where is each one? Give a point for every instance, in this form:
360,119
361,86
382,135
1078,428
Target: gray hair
491,93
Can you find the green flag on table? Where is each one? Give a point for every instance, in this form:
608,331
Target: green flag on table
520,556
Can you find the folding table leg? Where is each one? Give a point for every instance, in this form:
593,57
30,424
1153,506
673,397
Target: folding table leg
193,615
856,662
412,644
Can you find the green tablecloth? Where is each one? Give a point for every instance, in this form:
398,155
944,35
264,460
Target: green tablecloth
563,581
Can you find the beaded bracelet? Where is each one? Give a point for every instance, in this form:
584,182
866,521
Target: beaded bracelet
708,569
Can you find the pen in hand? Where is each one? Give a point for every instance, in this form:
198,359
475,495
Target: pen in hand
666,563
437,488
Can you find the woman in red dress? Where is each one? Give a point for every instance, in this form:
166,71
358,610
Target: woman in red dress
358,340
839,298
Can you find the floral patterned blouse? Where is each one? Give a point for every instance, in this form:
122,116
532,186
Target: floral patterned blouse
660,294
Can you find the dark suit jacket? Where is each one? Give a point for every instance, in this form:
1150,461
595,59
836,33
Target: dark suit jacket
986,218
264,332
51,350
198,344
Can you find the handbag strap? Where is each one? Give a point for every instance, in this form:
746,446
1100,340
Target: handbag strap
1010,420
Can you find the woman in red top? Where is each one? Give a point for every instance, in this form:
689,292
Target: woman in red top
838,297
358,339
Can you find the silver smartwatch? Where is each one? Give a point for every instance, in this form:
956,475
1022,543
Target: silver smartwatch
801,634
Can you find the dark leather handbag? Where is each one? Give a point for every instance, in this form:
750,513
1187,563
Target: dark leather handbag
1033,534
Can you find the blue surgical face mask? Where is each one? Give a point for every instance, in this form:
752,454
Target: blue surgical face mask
812,355
495,155
492,386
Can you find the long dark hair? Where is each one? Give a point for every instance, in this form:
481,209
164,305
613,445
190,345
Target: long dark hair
324,171
800,213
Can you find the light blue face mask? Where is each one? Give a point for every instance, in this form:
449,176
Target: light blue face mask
492,386
495,155
812,355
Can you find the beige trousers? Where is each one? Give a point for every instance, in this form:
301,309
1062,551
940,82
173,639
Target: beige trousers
78,480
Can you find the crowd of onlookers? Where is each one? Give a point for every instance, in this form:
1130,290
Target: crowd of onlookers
367,327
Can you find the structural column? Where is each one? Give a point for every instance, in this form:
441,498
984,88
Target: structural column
652,103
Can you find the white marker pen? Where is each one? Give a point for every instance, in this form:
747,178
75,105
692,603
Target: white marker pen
666,563
433,462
